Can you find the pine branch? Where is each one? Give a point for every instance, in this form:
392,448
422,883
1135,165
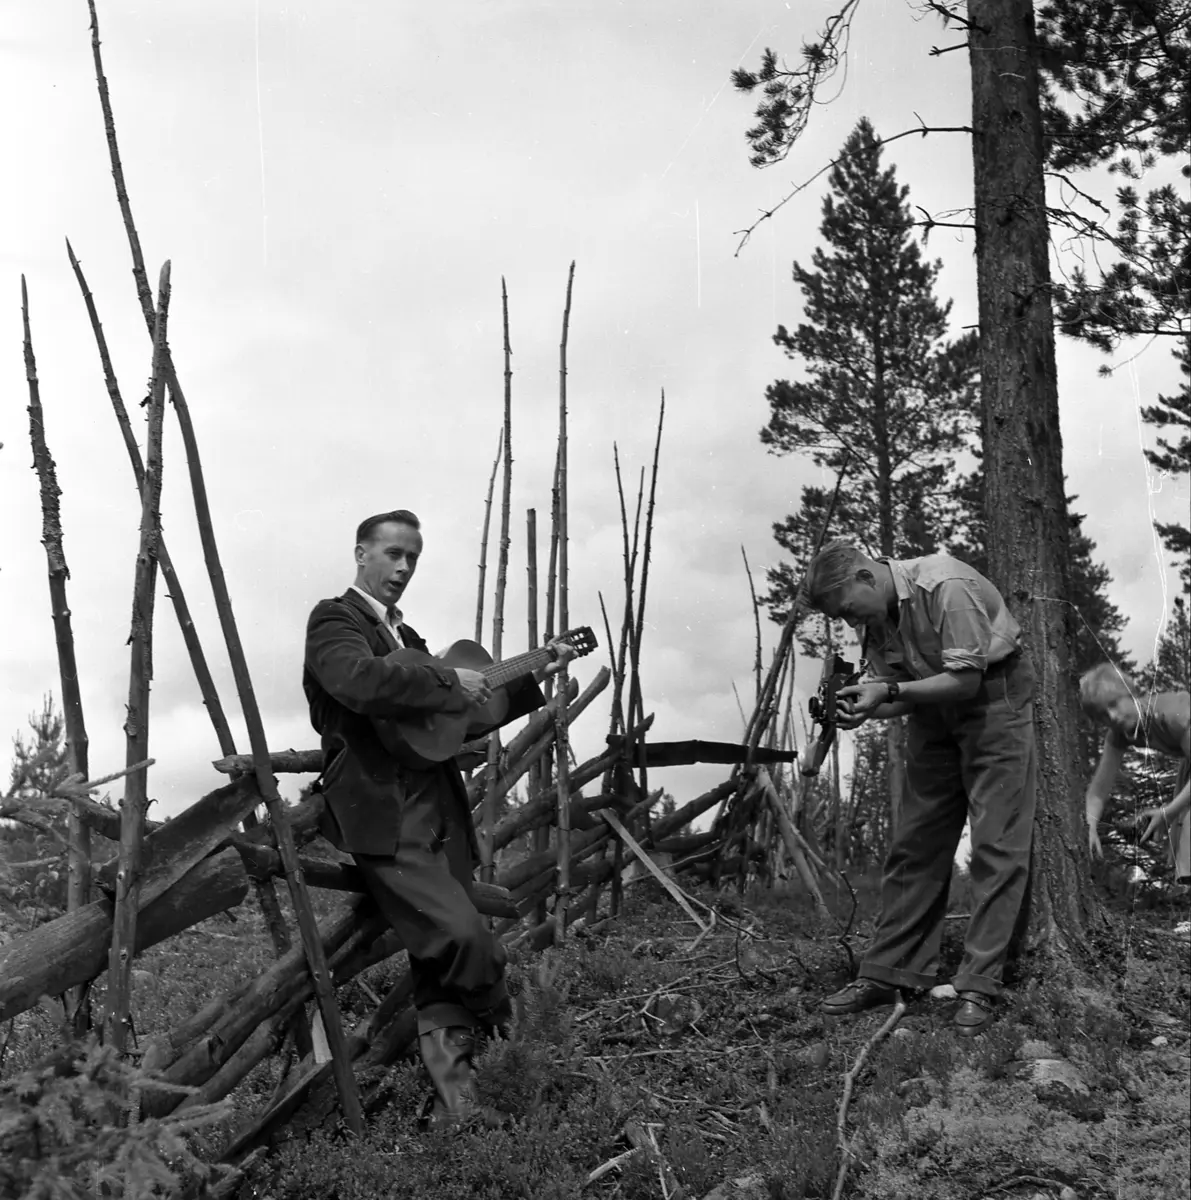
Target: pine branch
767,214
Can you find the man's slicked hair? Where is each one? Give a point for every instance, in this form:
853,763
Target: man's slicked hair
399,516
833,567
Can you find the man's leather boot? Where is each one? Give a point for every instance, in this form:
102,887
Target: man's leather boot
447,1053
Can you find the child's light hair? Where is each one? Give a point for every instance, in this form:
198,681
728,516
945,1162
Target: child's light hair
833,567
1103,684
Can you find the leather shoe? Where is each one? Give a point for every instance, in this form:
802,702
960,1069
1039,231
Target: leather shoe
859,995
974,1015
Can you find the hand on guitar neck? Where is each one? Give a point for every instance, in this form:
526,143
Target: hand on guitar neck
434,737
478,690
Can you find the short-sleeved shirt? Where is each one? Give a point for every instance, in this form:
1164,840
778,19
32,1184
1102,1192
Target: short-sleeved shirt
1165,726
949,618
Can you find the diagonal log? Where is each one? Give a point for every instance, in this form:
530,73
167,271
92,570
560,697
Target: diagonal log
178,844
380,1038
73,949
519,767
796,847
281,762
529,816
635,847
263,862
285,978
349,960
664,826
593,876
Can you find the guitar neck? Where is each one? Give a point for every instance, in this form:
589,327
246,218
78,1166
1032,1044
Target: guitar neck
498,674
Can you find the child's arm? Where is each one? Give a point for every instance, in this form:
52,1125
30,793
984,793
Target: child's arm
1166,815
1100,788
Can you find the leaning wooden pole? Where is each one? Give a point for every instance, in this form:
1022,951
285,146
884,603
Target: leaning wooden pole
344,1079
274,920
620,667
488,822
266,895
267,785
636,701
78,890
173,585
757,628
537,775
549,627
483,571
502,561
761,715
136,727
561,740
619,658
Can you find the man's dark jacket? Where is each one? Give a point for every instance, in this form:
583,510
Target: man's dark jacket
348,682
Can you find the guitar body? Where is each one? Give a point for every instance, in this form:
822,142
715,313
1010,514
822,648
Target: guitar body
425,741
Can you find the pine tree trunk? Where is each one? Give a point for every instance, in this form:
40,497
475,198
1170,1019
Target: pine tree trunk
1028,549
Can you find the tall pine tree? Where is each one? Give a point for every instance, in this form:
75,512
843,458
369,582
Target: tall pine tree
1174,458
882,386
1117,93
882,382
1170,668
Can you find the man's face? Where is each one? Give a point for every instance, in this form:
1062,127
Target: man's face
385,564
858,602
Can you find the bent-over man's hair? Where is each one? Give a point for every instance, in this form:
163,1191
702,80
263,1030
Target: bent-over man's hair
830,569
1103,684
399,516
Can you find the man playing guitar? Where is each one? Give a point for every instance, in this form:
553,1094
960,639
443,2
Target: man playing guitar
409,827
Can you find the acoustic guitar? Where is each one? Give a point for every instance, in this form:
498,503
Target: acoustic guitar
426,740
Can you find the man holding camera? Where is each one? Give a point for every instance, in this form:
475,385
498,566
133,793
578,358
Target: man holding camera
943,649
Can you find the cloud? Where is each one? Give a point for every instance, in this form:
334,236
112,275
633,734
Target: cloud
337,248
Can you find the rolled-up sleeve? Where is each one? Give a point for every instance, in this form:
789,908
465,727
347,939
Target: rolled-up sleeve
879,667
961,620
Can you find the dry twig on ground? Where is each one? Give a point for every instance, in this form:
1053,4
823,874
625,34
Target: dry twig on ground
841,1123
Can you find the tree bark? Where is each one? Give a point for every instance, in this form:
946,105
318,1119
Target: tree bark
1028,550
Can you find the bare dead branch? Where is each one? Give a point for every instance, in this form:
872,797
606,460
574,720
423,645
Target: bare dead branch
766,214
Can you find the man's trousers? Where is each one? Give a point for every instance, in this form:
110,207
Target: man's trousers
972,760
424,890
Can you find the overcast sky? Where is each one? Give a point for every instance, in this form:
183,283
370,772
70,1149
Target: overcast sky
340,190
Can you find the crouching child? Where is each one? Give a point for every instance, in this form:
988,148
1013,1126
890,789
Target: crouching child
1160,721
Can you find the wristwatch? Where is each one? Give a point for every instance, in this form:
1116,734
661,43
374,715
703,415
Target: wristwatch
894,689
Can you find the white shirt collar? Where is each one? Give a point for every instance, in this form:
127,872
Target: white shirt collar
382,613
